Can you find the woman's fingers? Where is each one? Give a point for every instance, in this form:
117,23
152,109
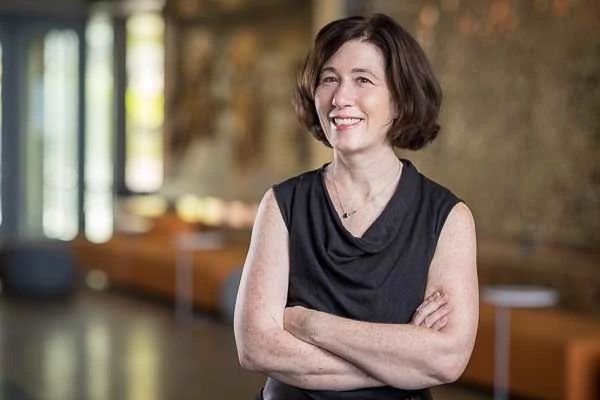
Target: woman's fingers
436,316
420,312
440,323
431,310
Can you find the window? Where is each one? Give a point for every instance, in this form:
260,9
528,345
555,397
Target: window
98,153
59,184
1,133
51,135
144,100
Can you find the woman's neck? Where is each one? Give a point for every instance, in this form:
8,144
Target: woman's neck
363,174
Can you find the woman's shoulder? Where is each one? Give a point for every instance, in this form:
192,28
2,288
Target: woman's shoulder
439,200
293,188
437,192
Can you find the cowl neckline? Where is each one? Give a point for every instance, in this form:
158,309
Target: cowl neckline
384,228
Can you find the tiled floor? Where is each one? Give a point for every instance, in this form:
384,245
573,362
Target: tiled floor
113,345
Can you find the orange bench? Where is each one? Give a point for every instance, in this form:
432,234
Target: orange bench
553,354
148,264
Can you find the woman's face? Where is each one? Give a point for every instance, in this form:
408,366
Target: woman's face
352,99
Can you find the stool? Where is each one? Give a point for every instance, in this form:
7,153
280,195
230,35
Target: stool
505,297
187,244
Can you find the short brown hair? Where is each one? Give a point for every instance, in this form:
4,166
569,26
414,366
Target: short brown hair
415,90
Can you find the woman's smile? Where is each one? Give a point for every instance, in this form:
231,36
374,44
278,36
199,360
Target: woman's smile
343,123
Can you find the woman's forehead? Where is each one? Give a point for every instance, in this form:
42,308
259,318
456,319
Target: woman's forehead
356,56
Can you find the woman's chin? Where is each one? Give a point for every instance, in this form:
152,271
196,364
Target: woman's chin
350,146
346,147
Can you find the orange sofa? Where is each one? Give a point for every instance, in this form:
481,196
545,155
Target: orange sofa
554,354
147,262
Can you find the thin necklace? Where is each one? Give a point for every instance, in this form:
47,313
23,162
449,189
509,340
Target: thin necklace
346,214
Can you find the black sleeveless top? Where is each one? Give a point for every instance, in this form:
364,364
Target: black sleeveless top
379,277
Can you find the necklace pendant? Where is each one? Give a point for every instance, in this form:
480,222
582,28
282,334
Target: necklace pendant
345,215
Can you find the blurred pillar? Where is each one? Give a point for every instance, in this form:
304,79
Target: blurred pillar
324,12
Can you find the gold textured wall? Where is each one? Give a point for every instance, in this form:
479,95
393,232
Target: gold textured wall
231,130
520,138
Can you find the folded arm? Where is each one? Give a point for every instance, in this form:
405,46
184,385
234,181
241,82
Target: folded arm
409,356
262,343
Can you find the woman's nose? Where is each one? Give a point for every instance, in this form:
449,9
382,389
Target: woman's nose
344,95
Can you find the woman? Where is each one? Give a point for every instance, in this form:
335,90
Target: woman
331,303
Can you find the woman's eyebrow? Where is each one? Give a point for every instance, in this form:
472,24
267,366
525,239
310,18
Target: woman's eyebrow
365,70
328,69
354,70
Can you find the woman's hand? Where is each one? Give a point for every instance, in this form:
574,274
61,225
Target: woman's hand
433,312
298,321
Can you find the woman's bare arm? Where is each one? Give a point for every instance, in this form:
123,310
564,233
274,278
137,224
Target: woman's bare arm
263,345
409,356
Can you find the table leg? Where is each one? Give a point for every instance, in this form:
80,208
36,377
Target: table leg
184,305
501,353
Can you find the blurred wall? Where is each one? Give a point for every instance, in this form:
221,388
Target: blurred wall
520,140
231,68
520,133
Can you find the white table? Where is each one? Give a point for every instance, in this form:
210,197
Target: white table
505,297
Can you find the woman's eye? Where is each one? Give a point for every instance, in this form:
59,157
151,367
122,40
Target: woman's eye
364,80
329,79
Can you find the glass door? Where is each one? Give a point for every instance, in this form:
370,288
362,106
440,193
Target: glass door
1,126
51,123
40,170
6,46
